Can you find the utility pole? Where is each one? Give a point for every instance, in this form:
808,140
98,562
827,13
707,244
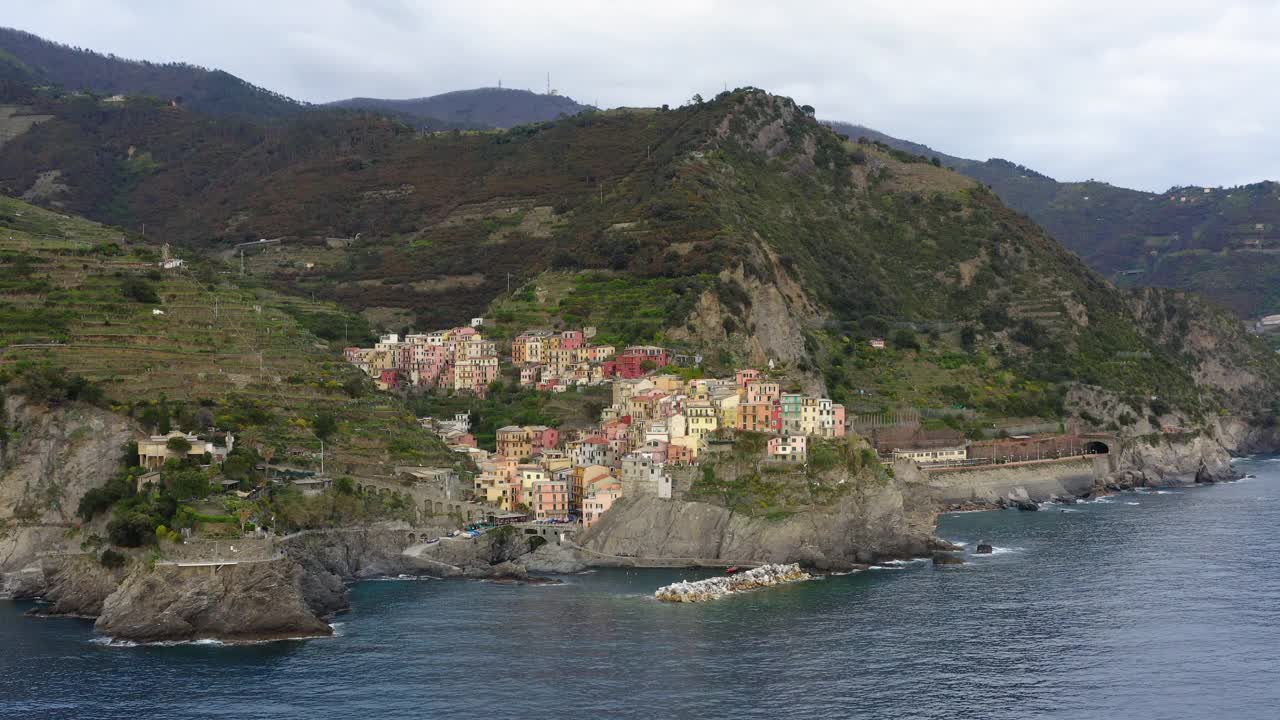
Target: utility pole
508,283
241,262
322,457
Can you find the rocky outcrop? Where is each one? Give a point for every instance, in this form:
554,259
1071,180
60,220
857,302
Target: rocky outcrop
78,585
1242,437
245,602
889,518
1181,459
333,559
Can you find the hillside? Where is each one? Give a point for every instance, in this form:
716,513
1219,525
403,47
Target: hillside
1221,242
480,108
740,227
191,347
29,57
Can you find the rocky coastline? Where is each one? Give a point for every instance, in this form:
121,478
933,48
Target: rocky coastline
306,581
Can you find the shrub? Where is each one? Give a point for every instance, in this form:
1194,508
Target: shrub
131,529
139,290
179,444
905,340
111,559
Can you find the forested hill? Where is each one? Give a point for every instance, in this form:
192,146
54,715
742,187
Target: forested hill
1221,242
209,91
478,108
739,227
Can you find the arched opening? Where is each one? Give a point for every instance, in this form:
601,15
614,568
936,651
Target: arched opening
536,542
413,538
1096,447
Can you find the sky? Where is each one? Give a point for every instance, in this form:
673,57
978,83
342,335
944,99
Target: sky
1140,94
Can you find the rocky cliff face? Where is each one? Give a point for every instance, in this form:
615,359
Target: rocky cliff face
332,559
894,519
49,458
1176,459
77,585
53,456
245,602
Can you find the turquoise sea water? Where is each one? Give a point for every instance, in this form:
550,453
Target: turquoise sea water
1148,605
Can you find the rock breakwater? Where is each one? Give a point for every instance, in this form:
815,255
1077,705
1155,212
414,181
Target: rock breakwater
717,587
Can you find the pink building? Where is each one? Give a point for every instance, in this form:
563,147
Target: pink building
631,363
838,411
551,498
544,438
571,340
743,378
679,455
789,448
595,505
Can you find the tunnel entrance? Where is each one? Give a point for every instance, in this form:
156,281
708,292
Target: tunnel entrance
1096,447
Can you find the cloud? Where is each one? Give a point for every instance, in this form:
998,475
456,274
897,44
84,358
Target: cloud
1143,94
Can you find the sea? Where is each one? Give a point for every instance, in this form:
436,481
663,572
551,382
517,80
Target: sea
1154,604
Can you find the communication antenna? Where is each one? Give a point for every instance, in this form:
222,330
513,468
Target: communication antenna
548,83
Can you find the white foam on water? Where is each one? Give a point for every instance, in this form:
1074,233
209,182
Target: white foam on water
1132,503
1168,492
1068,510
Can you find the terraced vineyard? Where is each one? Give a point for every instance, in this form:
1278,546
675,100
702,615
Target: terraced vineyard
80,296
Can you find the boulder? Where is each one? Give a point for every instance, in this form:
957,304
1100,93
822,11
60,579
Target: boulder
983,548
942,558
1027,506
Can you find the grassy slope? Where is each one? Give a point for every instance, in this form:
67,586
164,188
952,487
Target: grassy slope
222,345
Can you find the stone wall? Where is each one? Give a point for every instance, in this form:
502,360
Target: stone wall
1037,481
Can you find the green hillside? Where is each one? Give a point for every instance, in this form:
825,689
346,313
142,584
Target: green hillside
1223,243
738,227
83,297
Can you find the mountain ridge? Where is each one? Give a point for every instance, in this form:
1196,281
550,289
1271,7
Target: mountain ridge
1221,242
477,108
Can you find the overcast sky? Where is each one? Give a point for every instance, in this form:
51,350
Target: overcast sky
1141,94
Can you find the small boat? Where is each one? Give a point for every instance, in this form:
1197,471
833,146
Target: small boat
733,570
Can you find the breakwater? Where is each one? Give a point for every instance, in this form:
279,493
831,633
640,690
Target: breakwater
717,587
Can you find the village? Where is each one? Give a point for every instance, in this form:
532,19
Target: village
658,421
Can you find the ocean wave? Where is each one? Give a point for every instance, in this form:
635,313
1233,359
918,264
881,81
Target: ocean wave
1168,492
1133,503
108,641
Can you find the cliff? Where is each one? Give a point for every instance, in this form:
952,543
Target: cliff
246,602
53,455
49,458
875,517
332,559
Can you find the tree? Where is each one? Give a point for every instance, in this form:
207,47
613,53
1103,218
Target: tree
131,529
904,339
139,290
324,426
179,444
184,483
